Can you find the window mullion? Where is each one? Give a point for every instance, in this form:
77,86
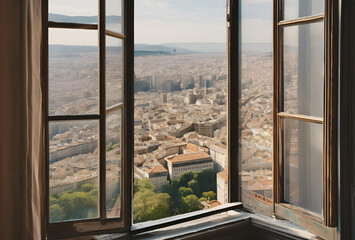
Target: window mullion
114,107
128,113
115,34
102,99
277,101
303,20
73,117
234,180
312,119
69,25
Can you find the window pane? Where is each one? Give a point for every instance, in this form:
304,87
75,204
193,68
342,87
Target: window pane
73,72
75,11
114,15
113,164
303,69
114,71
302,142
180,162
255,101
302,8
73,170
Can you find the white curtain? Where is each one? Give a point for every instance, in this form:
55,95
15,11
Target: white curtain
21,121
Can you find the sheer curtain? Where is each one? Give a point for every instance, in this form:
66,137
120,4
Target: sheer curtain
21,121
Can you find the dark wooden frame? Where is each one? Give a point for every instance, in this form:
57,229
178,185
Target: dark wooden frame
233,10
100,224
330,18
346,123
123,224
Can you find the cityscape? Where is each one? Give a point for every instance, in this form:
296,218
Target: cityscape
180,127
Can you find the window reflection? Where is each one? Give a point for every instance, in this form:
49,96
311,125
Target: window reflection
255,101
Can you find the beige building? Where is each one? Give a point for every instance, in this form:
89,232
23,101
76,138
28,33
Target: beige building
222,187
157,175
179,164
219,155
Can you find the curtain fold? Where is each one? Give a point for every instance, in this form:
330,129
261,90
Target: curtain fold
22,186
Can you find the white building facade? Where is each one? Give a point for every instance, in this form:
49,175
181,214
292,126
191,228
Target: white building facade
179,164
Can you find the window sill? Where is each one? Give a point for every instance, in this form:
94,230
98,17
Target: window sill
232,224
310,222
187,217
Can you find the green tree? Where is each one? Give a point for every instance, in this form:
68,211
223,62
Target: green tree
52,200
109,147
116,145
141,185
176,203
192,203
195,186
206,180
92,197
148,205
75,205
185,178
55,195
185,191
56,213
209,195
203,199
87,187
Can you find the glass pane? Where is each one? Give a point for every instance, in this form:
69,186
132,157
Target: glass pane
73,170
180,83
303,69
114,71
113,164
73,72
302,8
114,15
75,11
255,102
303,157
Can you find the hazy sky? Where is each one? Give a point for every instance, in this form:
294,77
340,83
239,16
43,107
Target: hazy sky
170,21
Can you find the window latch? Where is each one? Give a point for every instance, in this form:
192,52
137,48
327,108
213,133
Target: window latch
228,16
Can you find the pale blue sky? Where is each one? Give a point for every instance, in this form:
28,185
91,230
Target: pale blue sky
171,21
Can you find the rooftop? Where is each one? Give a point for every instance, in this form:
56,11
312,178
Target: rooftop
210,204
156,169
223,175
188,157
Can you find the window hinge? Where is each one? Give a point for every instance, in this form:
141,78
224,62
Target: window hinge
228,16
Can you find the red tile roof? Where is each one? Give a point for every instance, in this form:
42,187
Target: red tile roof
188,157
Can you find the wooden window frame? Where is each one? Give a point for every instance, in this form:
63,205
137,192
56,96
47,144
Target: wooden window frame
303,217
124,224
101,223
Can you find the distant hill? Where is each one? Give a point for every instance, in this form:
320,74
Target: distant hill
167,49
70,48
261,48
222,47
256,48
59,49
150,53
248,48
148,47
83,19
199,47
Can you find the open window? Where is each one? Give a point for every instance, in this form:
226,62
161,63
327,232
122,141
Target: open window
275,110
86,105
287,111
